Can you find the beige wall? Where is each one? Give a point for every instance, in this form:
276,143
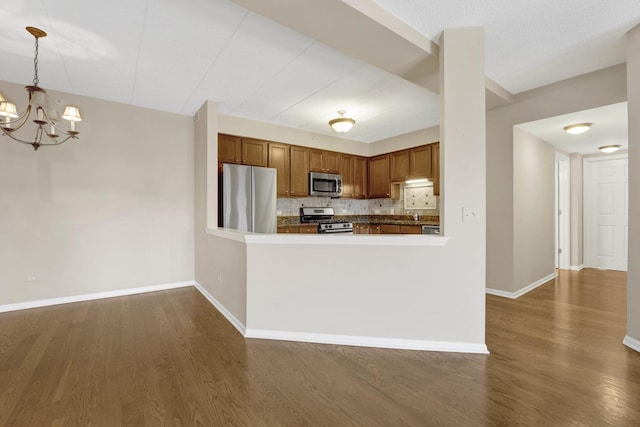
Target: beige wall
111,211
220,265
533,209
577,258
633,274
591,90
413,139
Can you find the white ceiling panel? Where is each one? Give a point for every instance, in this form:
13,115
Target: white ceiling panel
98,44
181,41
316,68
256,53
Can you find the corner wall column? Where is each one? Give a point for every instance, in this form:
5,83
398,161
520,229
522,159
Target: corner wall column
633,274
462,159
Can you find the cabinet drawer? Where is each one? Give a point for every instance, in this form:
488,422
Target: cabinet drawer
389,229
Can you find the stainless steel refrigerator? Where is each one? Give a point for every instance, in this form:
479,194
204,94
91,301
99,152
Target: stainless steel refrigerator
249,198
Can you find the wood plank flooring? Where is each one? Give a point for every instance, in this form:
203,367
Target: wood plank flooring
169,358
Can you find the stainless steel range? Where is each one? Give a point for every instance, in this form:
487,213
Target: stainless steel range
324,217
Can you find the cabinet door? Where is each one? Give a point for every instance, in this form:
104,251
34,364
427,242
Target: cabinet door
399,169
254,152
291,229
420,162
229,149
360,177
410,229
374,229
331,162
435,167
347,163
379,184
308,229
389,229
299,184
315,161
279,159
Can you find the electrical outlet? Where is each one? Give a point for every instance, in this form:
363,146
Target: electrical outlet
470,214
220,278
30,278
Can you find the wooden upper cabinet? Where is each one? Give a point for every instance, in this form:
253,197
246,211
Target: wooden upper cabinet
399,168
360,177
324,161
379,182
254,152
411,164
348,185
420,165
279,159
299,172
229,149
435,167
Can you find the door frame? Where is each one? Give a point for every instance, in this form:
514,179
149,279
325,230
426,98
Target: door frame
589,204
562,213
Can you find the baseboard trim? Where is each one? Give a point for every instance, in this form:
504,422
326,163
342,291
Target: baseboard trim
526,289
632,343
358,341
89,297
222,309
576,267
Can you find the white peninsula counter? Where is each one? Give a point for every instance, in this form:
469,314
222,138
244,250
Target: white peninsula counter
394,291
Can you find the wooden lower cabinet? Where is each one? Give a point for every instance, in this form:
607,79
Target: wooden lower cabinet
389,229
360,228
410,229
308,229
374,228
290,229
298,229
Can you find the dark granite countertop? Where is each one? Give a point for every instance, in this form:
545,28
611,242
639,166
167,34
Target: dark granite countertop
370,219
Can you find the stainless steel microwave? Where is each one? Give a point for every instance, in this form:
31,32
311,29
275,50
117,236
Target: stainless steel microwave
325,184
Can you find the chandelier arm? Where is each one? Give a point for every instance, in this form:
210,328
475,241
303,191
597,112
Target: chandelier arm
22,119
52,123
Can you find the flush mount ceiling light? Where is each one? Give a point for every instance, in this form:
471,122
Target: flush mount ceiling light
342,124
45,117
577,128
609,148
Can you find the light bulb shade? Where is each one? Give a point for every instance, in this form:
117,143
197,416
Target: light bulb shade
7,109
39,98
578,128
2,97
609,148
72,114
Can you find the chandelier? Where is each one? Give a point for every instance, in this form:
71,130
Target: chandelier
46,119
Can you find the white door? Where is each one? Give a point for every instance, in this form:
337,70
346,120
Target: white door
606,218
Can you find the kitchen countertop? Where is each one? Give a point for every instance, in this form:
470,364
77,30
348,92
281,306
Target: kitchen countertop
370,219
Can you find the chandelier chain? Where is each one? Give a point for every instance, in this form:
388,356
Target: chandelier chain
35,66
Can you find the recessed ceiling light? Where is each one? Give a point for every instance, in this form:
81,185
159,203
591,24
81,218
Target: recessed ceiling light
578,128
609,148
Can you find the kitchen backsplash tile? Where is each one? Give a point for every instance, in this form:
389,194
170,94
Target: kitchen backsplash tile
288,207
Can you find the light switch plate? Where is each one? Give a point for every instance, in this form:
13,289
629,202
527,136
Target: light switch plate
470,214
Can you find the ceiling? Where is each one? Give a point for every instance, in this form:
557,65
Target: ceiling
172,56
609,128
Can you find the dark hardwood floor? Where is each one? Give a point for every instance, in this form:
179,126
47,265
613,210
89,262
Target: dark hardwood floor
169,358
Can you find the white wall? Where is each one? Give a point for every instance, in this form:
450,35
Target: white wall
633,272
111,211
533,209
220,265
591,90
